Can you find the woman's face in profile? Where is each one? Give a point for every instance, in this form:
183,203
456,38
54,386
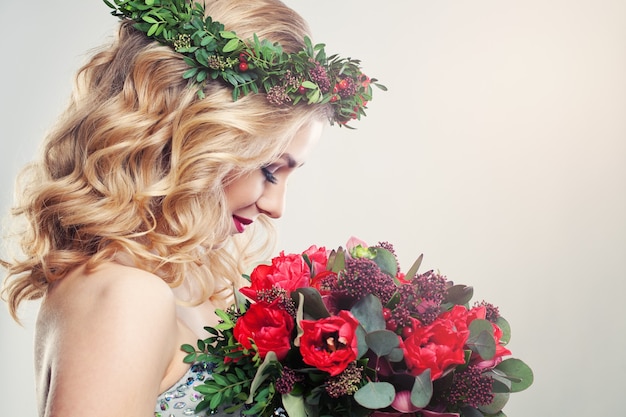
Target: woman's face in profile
263,191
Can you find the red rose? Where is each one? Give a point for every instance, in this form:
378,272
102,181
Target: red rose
329,344
286,271
437,346
266,325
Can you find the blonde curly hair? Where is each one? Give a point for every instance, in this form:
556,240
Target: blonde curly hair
137,165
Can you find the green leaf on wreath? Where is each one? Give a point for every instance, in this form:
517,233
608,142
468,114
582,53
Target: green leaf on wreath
382,342
422,390
369,312
375,395
520,374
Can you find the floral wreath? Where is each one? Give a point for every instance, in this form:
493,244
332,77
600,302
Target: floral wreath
256,66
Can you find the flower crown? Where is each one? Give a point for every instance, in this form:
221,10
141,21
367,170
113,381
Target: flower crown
258,66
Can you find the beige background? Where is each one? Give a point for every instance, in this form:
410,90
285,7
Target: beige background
499,152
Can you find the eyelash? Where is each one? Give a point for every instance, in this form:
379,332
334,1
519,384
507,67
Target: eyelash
269,176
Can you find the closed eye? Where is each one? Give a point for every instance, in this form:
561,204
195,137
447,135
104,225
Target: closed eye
269,175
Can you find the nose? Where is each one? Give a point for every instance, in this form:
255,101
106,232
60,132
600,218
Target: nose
272,201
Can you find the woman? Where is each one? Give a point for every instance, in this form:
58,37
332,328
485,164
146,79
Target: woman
153,193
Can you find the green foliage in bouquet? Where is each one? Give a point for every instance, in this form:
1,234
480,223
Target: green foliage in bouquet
346,333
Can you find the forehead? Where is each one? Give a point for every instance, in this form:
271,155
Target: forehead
303,143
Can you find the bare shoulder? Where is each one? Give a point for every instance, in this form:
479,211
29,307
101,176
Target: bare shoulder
112,294
102,321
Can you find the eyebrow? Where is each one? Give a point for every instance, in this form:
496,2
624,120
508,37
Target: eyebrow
291,163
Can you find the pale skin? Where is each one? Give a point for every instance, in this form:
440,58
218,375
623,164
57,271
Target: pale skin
107,342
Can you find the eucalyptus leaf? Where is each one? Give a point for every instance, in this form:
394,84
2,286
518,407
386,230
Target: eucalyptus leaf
375,395
362,347
422,390
499,401
506,330
396,355
471,412
386,261
369,312
516,368
483,344
382,342
500,385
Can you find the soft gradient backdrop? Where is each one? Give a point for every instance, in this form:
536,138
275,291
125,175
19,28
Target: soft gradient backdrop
499,152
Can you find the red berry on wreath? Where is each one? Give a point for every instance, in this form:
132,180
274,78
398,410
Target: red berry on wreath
301,90
386,313
243,57
243,66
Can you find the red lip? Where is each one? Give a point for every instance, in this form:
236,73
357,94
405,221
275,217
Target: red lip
241,223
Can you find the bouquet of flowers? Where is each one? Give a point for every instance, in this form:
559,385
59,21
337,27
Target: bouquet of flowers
346,333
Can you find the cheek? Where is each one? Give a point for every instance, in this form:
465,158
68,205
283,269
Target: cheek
243,191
